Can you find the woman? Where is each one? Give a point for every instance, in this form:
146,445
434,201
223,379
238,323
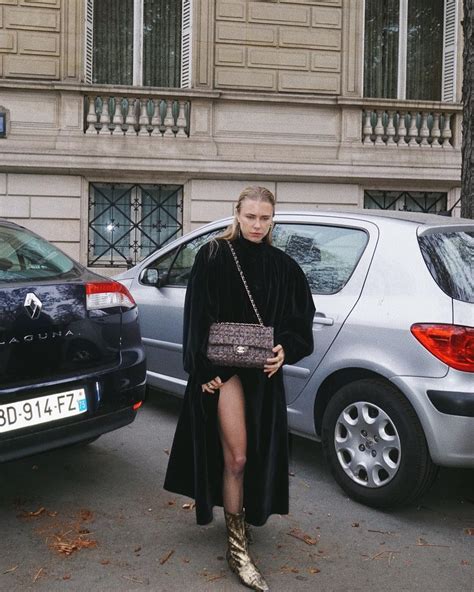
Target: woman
231,445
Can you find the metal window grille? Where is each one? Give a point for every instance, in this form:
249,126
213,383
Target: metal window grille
128,222
433,202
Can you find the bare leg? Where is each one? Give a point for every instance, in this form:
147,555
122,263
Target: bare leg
233,434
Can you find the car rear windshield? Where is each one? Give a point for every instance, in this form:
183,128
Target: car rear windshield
450,259
24,256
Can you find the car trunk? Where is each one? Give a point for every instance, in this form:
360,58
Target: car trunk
46,334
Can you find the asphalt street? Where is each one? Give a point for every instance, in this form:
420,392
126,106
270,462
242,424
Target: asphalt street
95,518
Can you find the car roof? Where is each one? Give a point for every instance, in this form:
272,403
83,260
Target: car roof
4,222
367,214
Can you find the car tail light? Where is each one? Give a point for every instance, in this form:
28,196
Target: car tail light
137,406
107,295
452,344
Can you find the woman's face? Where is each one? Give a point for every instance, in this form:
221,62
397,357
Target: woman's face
255,219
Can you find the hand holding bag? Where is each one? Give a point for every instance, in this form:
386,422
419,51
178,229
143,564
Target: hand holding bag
243,345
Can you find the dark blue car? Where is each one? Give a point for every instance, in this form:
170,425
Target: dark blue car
72,364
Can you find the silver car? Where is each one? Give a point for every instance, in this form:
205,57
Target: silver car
389,388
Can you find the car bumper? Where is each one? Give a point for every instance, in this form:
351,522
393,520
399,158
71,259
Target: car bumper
58,436
446,417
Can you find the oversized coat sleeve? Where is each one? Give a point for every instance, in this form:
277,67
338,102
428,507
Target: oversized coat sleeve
295,328
200,311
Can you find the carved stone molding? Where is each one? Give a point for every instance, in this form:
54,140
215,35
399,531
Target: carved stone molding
203,44
72,40
352,48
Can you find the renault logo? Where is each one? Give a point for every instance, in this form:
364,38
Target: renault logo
33,305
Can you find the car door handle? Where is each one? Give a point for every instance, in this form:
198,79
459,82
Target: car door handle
321,319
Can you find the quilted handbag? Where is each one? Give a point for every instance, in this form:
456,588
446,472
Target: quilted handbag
243,345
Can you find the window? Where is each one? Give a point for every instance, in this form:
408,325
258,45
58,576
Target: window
450,259
432,202
25,256
138,42
327,254
128,222
178,263
410,49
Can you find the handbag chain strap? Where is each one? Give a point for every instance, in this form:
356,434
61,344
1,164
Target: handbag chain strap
245,282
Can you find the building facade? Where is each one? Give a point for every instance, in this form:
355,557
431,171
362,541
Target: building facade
124,123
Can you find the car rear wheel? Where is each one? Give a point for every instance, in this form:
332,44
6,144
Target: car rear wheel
375,445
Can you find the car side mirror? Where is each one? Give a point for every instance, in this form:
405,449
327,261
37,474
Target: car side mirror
152,277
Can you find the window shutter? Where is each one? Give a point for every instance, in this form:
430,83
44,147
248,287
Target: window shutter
450,41
89,45
186,44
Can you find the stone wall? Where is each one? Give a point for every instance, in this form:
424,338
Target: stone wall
47,204
282,46
40,39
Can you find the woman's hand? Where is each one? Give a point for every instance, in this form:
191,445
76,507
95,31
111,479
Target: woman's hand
274,364
212,385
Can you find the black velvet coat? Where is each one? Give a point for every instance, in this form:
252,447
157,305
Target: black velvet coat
216,293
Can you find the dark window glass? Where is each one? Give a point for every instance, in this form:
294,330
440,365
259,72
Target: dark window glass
26,256
425,49
381,48
410,201
450,259
128,222
161,43
181,268
113,42
327,254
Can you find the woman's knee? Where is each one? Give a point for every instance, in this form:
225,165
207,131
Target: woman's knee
235,464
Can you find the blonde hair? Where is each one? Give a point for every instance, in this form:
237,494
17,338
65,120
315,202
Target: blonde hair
254,193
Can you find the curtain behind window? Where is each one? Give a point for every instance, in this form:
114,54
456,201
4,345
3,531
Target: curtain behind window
381,48
425,49
113,42
162,43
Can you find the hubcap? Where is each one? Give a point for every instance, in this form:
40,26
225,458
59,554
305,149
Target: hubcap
367,444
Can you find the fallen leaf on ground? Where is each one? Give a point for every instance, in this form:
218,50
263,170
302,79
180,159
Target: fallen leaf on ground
68,546
165,558
381,555
213,578
136,580
67,577
355,525
314,570
302,536
105,562
12,569
422,543
137,549
35,514
287,569
465,562
86,515
38,574
166,451
171,503
469,531
188,506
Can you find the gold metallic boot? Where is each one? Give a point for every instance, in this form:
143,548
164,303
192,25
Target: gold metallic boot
249,533
238,556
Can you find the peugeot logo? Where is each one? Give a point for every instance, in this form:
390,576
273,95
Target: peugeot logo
33,305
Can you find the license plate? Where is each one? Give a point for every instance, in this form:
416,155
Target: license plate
21,414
